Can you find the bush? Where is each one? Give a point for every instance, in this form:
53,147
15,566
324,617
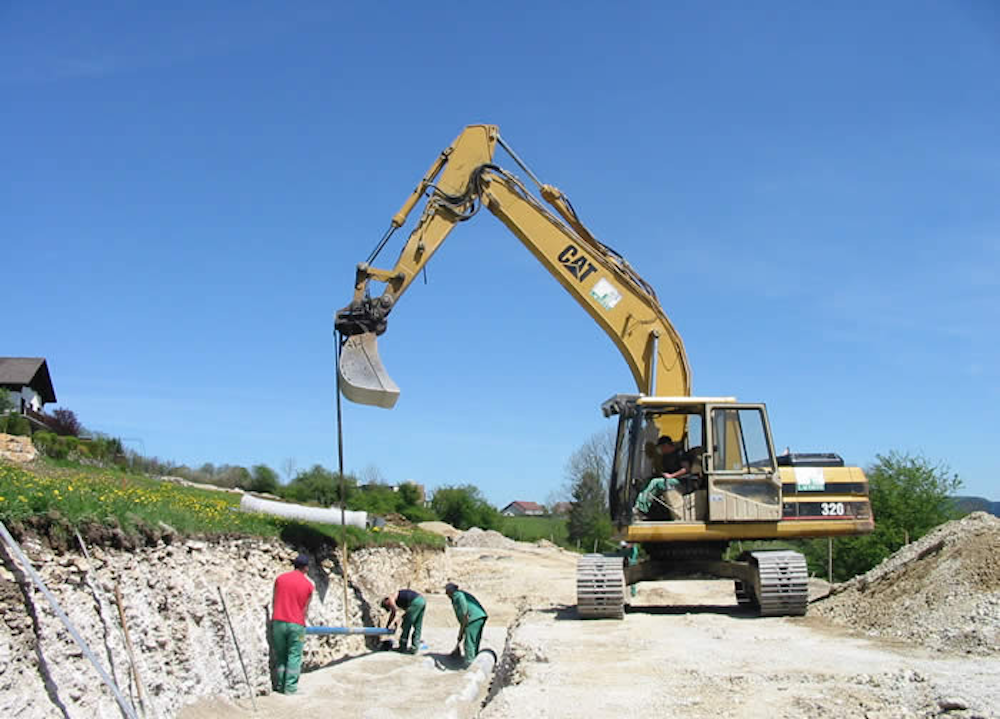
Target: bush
63,422
15,424
319,485
464,507
263,479
44,441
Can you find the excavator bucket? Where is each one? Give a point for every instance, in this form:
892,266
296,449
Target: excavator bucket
363,379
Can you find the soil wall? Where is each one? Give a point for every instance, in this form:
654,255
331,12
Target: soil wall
170,595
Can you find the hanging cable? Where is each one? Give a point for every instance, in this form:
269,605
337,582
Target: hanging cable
340,468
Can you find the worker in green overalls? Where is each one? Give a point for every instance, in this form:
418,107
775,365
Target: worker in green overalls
471,619
630,553
412,604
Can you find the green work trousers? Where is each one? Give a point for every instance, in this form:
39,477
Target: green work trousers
413,619
657,485
287,639
473,635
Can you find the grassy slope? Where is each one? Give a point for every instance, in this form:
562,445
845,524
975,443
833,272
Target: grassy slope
79,496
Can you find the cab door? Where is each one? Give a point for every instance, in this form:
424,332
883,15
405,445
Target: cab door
743,480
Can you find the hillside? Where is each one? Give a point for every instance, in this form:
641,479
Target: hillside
967,505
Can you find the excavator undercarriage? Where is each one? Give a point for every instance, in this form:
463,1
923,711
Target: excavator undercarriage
774,583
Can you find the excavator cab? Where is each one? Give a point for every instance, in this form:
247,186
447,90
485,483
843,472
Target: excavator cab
731,471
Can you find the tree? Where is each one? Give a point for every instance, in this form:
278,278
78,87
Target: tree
63,422
910,496
289,466
319,485
463,507
6,403
588,523
229,475
410,495
586,469
263,479
371,474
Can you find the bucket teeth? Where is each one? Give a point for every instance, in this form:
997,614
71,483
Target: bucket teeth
363,379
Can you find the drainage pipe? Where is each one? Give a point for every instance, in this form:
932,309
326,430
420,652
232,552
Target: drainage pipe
465,703
320,515
14,547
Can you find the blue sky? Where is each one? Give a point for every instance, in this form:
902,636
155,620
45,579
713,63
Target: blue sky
811,189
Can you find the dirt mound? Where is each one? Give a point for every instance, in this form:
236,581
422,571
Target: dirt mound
942,591
442,528
476,537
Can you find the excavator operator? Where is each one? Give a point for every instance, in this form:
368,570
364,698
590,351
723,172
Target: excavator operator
672,464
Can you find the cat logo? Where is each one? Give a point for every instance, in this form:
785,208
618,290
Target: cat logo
576,263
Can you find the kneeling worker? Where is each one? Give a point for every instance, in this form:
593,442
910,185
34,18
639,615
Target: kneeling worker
412,604
471,619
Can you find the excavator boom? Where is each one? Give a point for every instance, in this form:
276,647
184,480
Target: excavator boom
464,179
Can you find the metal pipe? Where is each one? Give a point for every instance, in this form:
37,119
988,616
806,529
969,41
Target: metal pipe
368,631
122,701
340,468
518,160
653,357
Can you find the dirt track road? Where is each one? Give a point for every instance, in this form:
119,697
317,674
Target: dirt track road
684,649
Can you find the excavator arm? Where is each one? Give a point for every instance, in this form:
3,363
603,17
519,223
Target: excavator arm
460,182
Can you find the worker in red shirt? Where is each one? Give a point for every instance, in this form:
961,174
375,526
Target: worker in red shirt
289,604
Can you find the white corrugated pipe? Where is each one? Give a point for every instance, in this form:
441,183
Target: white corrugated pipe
320,515
467,701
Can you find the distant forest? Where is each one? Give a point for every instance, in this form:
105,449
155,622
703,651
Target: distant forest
977,504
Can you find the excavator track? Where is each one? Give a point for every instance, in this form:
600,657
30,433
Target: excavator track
600,587
782,586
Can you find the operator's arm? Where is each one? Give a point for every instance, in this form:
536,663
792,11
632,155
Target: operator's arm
685,469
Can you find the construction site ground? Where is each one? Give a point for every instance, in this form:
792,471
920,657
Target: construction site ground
684,649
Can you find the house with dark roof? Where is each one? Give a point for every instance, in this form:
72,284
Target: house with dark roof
29,384
523,509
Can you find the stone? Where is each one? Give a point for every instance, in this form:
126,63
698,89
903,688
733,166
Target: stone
950,704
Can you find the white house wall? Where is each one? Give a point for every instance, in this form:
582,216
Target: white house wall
31,398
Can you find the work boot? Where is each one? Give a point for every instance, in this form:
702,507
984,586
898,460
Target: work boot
411,650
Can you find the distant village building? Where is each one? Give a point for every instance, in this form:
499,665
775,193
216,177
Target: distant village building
561,508
523,509
29,384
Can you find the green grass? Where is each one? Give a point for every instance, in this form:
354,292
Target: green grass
531,529
79,496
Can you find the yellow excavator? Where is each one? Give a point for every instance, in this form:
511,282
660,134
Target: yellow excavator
732,486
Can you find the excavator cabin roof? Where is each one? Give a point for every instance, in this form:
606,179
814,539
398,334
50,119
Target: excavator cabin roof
622,403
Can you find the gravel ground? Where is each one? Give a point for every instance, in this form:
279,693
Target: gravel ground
684,648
